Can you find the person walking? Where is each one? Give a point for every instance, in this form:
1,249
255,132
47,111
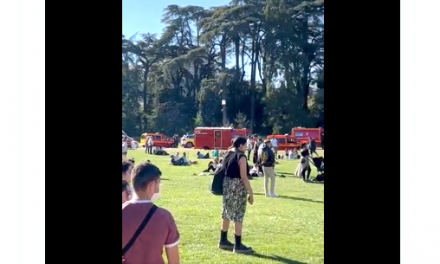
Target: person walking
267,161
237,191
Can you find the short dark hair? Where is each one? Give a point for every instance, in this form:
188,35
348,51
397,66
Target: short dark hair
143,174
238,141
124,185
126,164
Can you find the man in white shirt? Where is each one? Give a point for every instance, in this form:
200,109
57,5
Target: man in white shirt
274,143
150,145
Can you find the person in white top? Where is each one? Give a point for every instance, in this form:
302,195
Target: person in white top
248,147
176,157
274,143
150,145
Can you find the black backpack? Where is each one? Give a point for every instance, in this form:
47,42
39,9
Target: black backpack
219,176
217,181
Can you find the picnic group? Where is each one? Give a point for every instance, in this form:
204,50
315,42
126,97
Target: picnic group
148,230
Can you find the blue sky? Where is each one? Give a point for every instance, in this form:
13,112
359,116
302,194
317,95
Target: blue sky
144,15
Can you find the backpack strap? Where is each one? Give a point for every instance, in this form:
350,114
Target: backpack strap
139,230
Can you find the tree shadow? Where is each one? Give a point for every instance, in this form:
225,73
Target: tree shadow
295,198
276,258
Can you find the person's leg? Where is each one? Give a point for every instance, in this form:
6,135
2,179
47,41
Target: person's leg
266,181
272,182
224,243
227,200
238,218
303,174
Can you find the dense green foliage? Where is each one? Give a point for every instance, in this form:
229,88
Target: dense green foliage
265,58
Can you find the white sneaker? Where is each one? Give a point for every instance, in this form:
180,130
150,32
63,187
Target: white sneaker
274,195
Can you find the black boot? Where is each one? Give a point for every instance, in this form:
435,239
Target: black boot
224,243
239,248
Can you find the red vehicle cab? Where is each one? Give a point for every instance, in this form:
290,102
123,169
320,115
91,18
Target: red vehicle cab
303,134
216,137
159,140
285,142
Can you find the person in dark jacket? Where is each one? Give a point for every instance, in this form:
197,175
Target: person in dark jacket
256,145
312,147
267,162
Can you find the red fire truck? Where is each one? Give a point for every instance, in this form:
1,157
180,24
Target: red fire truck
302,134
216,137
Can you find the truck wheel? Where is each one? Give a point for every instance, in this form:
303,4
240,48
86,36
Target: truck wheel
189,145
205,148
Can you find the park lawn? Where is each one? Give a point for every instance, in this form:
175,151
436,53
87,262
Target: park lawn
289,229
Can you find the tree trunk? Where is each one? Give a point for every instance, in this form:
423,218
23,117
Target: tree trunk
254,59
223,78
144,92
237,58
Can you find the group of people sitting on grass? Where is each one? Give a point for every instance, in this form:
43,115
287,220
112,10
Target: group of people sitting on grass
177,160
159,151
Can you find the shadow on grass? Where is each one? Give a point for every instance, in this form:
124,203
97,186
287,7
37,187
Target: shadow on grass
276,258
286,173
295,198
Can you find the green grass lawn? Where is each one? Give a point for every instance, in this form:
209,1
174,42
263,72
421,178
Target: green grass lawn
289,229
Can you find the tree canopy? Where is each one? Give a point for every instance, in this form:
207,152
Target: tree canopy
264,58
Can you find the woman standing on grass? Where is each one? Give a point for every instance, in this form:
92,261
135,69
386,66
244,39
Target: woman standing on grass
236,192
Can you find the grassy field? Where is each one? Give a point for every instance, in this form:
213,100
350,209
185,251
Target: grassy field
289,229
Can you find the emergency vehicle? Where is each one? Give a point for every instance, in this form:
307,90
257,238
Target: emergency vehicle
216,137
302,134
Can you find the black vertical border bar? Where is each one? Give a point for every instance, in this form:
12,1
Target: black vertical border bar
362,195
82,117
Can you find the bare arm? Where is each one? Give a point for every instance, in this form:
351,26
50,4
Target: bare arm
242,164
173,254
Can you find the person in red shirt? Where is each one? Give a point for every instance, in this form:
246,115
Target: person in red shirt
160,232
